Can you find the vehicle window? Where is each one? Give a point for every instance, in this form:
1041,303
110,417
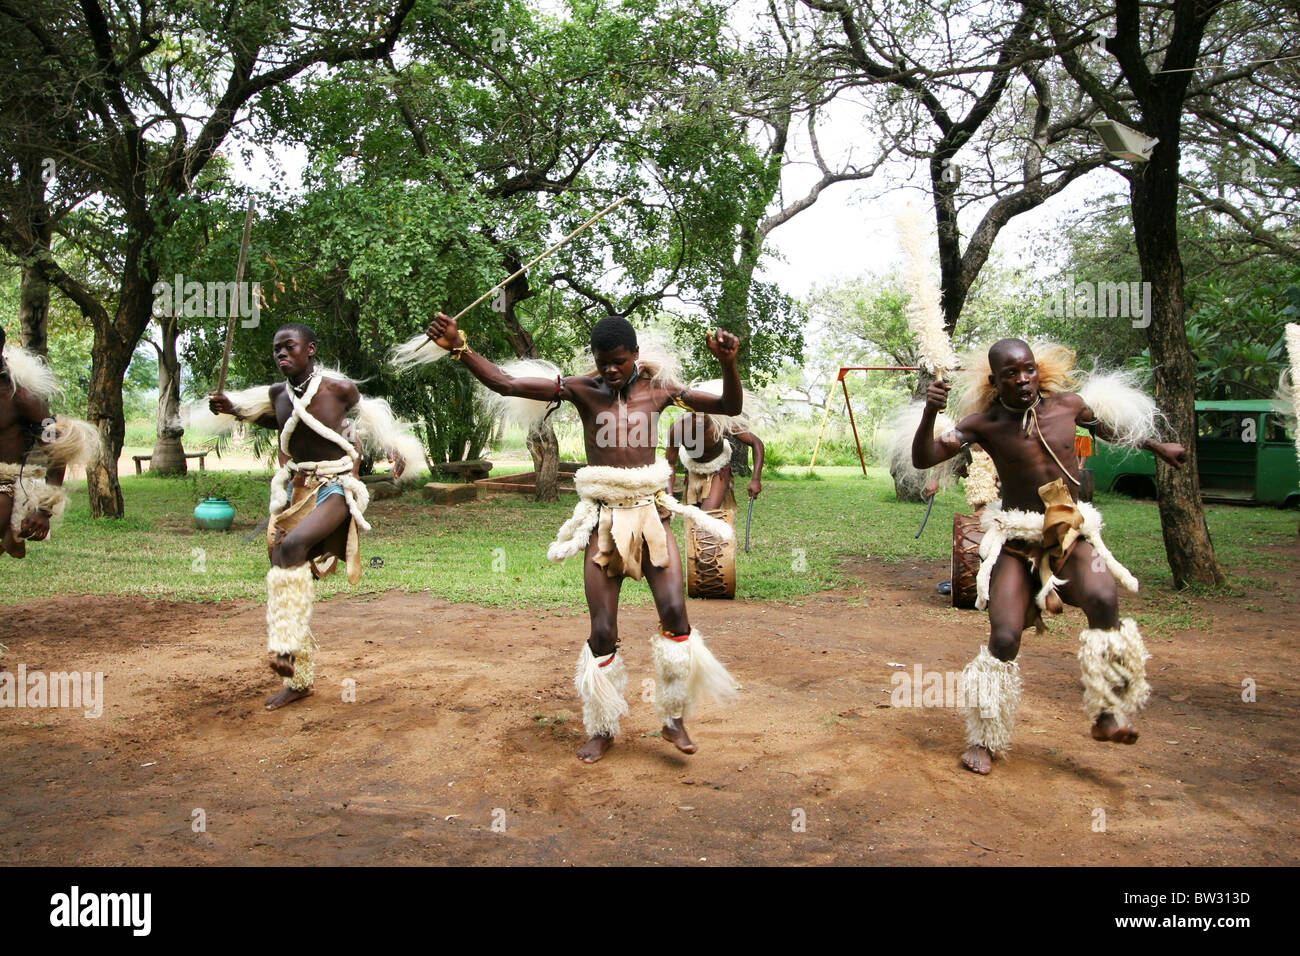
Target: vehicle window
1275,428
1227,426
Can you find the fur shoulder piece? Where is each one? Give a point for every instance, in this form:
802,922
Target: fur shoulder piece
28,370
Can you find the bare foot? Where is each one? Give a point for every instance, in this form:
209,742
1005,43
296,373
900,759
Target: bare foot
282,664
13,545
594,749
977,758
675,733
286,696
1107,729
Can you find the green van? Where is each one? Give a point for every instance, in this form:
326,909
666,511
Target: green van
1245,455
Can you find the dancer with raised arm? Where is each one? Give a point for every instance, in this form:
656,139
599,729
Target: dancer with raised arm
1041,546
620,522
318,502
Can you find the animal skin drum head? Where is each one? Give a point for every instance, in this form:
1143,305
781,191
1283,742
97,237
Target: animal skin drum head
710,563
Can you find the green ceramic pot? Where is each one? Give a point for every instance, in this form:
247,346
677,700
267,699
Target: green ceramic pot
214,514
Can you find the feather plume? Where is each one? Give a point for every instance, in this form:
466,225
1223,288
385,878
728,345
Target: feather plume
417,350
924,314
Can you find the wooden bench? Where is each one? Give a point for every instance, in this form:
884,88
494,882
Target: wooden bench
200,455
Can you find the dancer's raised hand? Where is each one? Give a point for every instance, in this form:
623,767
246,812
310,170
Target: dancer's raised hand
723,345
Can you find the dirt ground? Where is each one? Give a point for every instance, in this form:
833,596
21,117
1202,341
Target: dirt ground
459,746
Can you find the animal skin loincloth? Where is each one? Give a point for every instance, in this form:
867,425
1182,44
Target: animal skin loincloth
1044,541
622,505
700,474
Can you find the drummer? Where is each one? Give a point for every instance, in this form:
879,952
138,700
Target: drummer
703,443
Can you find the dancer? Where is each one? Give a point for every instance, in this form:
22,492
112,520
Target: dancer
1041,546
318,502
620,522
36,449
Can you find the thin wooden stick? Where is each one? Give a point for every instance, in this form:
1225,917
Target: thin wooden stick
239,277
528,265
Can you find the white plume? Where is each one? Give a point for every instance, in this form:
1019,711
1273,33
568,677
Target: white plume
512,410
417,350
251,403
384,435
1288,396
896,444
924,314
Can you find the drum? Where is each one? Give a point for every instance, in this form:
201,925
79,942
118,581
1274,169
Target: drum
710,563
966,537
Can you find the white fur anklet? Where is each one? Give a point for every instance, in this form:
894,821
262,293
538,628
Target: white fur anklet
601,691
289,596
304,669
991,691
686,674
1113,666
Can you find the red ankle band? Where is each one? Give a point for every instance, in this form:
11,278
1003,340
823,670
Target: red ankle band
608,662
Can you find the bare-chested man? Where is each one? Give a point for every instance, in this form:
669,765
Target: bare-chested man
1043,547
35,450
317,500
707,452
621,522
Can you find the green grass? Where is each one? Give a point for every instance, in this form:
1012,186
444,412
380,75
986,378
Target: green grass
156,552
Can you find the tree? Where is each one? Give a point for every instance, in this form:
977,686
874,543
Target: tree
437,175
1157,68
154,93
987,92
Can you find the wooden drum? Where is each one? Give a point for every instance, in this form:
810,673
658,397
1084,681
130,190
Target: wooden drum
966,537
710,563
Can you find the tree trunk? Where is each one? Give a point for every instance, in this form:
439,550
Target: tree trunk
1154,199
168,451
110,354
740,460
541,440
545,449
33,311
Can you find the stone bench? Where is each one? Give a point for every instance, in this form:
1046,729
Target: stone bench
471,470
447,493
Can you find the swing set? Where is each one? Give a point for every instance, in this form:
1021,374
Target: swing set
848,404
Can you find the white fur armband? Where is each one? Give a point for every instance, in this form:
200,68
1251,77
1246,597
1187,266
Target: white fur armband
384,435
250,404
52,499
28,370
1128,413
513,410
903,429
417,350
